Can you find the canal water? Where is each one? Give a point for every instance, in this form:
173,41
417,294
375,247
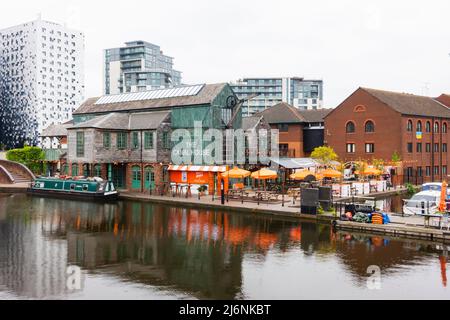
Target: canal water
61,249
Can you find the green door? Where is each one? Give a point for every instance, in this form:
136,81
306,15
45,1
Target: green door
118,174
149,178
136,175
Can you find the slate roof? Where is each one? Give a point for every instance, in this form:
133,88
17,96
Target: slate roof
206,95
56,130
282,113
125,121
314,115
249,123
409,104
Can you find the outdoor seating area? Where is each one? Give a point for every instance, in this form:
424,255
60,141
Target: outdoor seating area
282,181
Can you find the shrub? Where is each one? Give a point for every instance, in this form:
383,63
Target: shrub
29,156
410,188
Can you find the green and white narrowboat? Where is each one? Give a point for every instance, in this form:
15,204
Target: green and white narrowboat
94,188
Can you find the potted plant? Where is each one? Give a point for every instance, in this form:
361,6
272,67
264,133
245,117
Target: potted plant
202,189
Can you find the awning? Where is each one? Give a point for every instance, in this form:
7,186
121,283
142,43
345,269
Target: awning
295,163
198,168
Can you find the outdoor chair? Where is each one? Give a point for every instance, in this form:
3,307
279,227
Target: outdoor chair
446,222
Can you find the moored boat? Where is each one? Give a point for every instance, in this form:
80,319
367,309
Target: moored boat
86,188
423,202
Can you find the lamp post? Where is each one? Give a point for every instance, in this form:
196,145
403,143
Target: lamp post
283,179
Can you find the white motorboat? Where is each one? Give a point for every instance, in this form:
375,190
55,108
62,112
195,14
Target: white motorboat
424,202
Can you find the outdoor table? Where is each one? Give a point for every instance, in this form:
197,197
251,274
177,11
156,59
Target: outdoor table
174,189
427,218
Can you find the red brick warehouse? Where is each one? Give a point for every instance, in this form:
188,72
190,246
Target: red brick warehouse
375,124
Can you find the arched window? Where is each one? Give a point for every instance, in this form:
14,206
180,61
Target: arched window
444,127
350,127
419,126
369,127
65,169
409,126
428,126
98,170
436,127
86,170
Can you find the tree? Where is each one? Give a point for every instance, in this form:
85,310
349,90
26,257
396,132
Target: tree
396,157
378,164
29,156
324,155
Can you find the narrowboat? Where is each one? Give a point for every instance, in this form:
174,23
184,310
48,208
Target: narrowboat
90,188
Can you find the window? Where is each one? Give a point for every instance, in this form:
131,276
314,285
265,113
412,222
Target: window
80,144
428,147
436,127
428,171
409,126
369,127
121,140
419,147
283,149
148,140
165,140
107,140
350,127
351,148
283,127
97,170
409,171
74,170
409,147
370,148
419,172
444,170
444,147
436,147
419,126
428,127
444,127
135,140
436,170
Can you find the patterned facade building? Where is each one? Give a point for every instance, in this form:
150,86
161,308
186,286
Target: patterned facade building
41,79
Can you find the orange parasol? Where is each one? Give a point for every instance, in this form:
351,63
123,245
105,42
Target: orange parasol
331,173
264,174
442,202
236,173
369,172
300,175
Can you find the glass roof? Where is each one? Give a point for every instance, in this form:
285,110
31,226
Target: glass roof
183,91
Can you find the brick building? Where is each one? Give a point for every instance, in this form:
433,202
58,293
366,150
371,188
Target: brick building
375,124
300,131
444,99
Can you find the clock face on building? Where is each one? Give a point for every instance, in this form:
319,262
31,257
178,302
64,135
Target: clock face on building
231,102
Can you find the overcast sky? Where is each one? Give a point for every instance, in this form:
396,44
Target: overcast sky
384,44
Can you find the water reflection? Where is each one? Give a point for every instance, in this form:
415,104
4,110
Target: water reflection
198,252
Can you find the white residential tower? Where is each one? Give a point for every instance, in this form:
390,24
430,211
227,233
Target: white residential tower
41,79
